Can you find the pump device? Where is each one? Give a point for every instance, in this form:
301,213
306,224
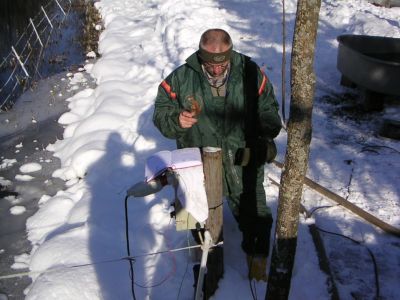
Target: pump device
143,188
184,220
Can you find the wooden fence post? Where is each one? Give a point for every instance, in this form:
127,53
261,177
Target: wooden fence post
212,165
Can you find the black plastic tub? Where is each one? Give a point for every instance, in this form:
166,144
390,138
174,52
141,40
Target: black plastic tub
370,62
386,3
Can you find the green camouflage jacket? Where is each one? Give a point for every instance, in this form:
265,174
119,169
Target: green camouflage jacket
221,120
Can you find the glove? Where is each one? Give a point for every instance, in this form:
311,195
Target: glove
257,267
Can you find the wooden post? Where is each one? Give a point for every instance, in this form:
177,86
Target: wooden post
212,165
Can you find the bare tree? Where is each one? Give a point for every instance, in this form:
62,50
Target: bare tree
298,148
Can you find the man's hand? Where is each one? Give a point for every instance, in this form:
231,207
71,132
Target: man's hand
187,119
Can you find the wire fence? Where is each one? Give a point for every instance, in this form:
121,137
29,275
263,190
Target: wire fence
21,67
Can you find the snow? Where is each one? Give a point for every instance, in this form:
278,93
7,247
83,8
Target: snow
21,261
109,134
5,182
23,177
17,210
6,163
30,168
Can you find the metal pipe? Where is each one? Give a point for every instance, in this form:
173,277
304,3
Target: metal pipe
19,60
203,265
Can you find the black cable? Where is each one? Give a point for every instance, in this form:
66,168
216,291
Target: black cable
131,261
377,296
215,207
252,289
183,278
250,266
309,214
187,261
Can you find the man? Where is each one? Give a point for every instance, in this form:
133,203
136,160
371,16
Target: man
220,98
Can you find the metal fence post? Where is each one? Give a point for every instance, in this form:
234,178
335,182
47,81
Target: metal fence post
60,7
37,34
47,17
20,61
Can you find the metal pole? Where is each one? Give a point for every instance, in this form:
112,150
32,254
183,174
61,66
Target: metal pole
37,34
60,7
47,17
19,60
203,265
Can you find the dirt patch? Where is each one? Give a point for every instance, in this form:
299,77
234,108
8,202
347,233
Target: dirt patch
348,106
93,28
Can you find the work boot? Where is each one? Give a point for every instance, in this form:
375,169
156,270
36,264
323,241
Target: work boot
257,267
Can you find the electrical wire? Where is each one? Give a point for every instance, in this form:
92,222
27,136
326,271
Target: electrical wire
377,286
131,261
251,281
59,269
252,288
376,273
187,261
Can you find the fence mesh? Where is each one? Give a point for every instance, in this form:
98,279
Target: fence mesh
21,67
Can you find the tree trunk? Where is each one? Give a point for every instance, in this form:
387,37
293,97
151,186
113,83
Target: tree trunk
298,148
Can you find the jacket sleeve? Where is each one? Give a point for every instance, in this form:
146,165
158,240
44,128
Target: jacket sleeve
167,110
270,121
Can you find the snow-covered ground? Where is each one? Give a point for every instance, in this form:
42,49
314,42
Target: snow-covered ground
26,167
78,235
